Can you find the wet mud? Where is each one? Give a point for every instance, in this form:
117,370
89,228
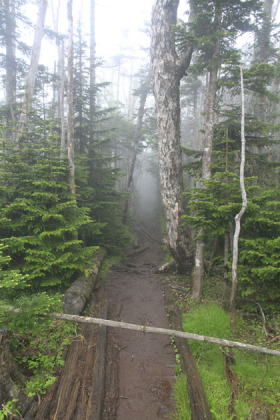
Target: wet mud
139,380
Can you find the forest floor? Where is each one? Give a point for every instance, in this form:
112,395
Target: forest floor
140,368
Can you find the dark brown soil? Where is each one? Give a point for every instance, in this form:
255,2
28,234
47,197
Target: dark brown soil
140,368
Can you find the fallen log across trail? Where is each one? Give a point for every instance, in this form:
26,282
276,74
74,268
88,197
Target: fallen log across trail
164,331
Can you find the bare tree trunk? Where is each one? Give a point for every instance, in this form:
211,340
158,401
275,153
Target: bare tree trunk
240,214
168,69
136,138
31,77
262,55
61,74
55,17
70,124
92,70
198,272
10,36
61,97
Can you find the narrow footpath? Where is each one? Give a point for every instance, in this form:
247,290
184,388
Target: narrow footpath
116,374
140,368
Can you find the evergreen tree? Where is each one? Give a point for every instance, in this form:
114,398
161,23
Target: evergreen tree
39,220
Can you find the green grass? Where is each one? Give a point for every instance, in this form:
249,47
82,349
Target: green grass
181,399
258,375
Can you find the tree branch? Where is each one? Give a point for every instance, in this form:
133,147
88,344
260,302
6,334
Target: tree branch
164,331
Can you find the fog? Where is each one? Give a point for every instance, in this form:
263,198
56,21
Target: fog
146,185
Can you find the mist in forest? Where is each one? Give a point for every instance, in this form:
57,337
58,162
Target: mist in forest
146,185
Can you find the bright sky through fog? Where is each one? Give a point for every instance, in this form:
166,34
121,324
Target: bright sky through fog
118,24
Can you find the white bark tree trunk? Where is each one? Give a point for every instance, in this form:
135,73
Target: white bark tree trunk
168,69
10,36
61,101
32,73
70,124
240,214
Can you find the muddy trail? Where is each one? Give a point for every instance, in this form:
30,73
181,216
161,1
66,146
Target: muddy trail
140,368
112,373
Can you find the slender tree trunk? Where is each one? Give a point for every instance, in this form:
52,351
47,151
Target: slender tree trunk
81,145
136,138
168,69
61,101
92,70
263,51
31,77
55,18
240,214
61,74
70,124
10,36
262,55
198,272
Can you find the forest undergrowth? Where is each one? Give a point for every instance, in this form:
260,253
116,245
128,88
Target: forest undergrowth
237,383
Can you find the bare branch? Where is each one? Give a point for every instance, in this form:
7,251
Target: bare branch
242,211
164,331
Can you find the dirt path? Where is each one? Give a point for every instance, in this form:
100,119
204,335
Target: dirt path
139,386
139,368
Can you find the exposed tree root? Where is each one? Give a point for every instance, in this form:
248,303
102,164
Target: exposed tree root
198,401
78,392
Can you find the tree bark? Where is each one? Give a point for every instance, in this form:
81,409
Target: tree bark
263,53
61,75
70,124
164,331
61,97
240,214
145,88
92,70
10,37
11,379
198,401
168,69
31,77
80,291
198,272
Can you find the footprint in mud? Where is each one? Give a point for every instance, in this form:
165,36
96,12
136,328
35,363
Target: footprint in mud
161,390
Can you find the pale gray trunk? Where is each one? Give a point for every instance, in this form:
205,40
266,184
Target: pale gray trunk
10,38
70,124
210,101
240,214
92,70
262,55
55,17
145,88
31,77
264,34
168,69
198,270
61,102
